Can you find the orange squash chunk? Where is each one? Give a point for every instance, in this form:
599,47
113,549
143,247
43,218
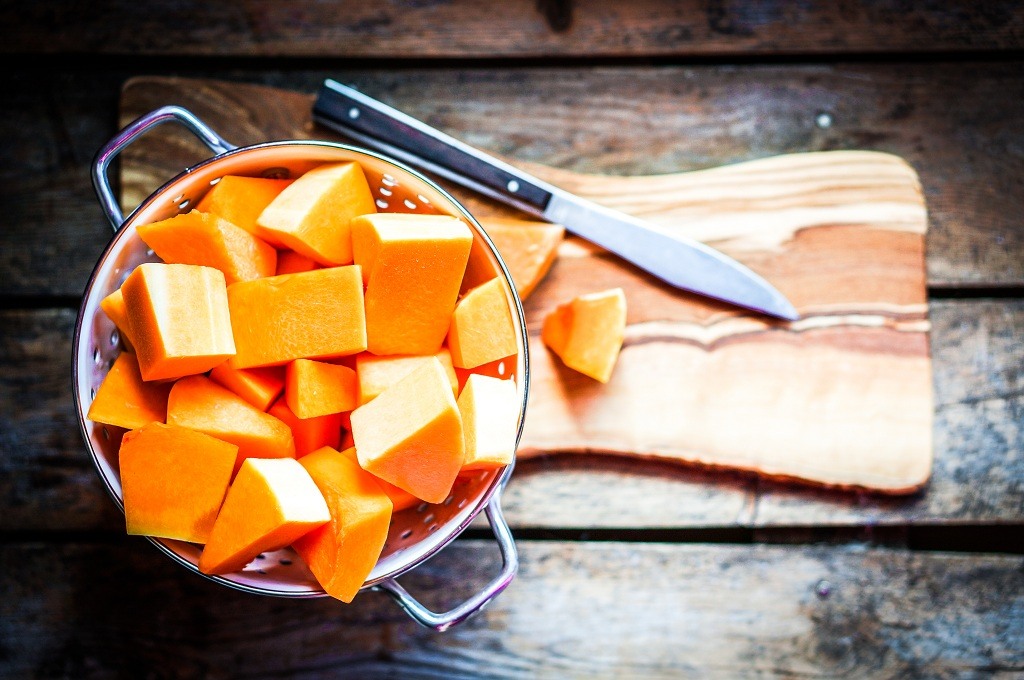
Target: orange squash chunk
310,315
481,327
490,414
270,504
412,268
587,332
290,262
125,400
527,248
400,498
113,306
375,374
343,552
208,240
203,405
240,200
179,319
309,434
174,481
312,215
411,435
258,386
315,388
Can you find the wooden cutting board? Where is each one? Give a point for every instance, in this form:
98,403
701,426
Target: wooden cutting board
842,397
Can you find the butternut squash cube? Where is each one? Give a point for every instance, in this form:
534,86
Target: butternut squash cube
202,405
375,374
211,241
412,268
528,249
311,216
587,332
309,434
173,481
113,306
271,503
258,386
490,414
481,327
316,388
400,498
310,315
240,200
179,319
411,435
125,400
343,552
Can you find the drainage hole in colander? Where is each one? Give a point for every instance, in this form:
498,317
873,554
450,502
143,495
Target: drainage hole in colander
501,368
92,393
383,205
461,504
432,528
406,534
105,432
183,204
150,253
114,338
285,563
410,205
389,181
261,556
385,192
428,519
448,501
423,199
96,356
214,181
177,198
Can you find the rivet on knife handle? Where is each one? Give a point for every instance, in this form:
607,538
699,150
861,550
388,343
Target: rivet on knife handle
675,259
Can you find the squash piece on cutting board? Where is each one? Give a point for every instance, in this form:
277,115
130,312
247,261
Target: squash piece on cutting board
310,315
528,249
211,241
343,552
375,374
271,503
202,405
481,328
412,266
179,319
309,434
587,332
258,386
317,388
490,414
311,216
173,481
240,200
411,435
125,400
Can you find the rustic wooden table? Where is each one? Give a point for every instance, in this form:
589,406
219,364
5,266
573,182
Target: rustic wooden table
628,570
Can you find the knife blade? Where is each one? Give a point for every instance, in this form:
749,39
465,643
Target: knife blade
677,260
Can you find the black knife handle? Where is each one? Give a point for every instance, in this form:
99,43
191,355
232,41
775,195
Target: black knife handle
352,112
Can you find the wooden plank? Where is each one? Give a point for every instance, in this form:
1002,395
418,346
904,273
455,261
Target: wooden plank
47,482
609,120
575,610
522,28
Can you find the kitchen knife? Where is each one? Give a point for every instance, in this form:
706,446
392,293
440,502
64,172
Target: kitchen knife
675,259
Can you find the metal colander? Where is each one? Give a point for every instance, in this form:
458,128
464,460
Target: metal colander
416,533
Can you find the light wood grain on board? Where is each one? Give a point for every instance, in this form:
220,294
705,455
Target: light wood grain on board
841,397
575,610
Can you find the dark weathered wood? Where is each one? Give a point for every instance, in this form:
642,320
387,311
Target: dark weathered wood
522,28
618,121
47,482
575,610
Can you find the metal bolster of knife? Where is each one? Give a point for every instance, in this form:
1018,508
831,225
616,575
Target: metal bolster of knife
381,127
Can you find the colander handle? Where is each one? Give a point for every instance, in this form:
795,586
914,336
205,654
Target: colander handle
106,155
453,617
